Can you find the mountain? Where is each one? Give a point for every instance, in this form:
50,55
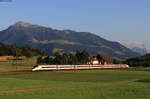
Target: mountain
52,40
137,47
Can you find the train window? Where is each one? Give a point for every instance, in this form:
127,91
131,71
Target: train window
48,67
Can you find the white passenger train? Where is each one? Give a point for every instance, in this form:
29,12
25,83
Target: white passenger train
76,67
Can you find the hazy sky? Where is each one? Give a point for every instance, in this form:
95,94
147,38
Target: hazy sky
127,20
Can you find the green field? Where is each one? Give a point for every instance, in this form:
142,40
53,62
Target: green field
88,84
19,65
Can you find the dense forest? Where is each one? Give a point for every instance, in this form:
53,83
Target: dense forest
13,50
139,61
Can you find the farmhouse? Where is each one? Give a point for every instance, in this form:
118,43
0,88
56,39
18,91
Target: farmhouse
100,59
94,60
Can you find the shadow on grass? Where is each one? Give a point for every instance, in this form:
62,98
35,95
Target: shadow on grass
144,80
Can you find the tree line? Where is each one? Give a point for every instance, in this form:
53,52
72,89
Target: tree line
139,61
77,58
13,50
80,57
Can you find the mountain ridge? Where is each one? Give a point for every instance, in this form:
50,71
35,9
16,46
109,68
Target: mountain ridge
48,39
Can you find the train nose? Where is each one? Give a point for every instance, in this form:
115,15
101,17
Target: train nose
33,69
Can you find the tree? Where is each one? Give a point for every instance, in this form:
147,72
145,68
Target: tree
82,57
106,58
39,60
100,59
58,58
115,61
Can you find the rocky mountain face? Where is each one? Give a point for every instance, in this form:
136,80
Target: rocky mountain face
52,40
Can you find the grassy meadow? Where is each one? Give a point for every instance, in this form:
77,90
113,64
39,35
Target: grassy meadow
88,84
84,84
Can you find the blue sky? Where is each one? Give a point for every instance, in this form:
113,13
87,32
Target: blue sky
118,20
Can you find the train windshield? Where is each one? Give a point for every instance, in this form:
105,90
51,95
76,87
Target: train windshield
35,66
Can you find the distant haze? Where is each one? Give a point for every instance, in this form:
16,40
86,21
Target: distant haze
137,46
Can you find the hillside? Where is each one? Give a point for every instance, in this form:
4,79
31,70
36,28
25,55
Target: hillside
52,40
